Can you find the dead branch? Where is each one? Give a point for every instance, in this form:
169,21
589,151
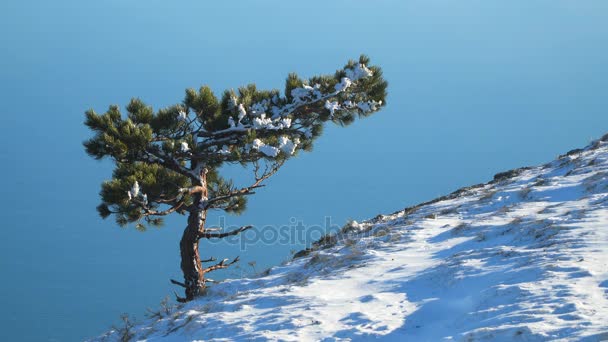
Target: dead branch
179,283
180,299
220,265
223,235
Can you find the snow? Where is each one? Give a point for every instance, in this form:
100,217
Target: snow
304,94
344,83
287,146
332,107
284,123
358,72
517,259
242,112
369,106
134,191
262,122
259,108
224,151
184,147
299,94
268,150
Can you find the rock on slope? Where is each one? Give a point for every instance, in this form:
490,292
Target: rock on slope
522,258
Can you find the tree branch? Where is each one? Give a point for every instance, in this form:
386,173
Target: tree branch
282,112
241,192
180,299
150,212
192,190
223,235
220,265
179,283
247,190
170,163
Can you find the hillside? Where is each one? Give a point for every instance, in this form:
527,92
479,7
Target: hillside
521,258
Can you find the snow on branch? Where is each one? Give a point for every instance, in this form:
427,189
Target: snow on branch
267,150
140,199
358,72
134,192
302,97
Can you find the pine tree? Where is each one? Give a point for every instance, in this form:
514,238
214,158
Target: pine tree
169,161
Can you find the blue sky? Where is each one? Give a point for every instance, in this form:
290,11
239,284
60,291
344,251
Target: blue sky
476,87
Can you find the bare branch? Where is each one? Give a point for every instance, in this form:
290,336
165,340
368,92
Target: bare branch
173,281
150,212
269,172
256,169
248,190
220,265
241,192
223,235
180,299
209,260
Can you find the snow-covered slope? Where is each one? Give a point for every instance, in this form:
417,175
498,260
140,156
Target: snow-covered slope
522,258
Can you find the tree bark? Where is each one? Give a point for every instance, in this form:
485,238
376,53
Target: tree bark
192,268
194,277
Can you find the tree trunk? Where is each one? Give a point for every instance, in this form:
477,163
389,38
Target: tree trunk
194,277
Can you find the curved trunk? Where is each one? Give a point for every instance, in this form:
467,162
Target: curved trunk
194,277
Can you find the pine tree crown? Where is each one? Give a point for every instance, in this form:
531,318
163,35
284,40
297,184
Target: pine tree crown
161,156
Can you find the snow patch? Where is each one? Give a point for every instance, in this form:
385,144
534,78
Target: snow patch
344,83
224,151
358,72
287,146
242,112
332,107
268,150
522,259
134,190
